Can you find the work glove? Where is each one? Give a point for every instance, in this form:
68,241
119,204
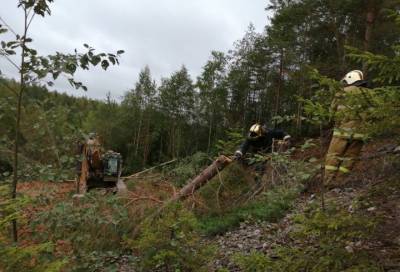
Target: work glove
283,145
238,155
286,140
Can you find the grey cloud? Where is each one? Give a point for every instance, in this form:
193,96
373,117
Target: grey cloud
163,34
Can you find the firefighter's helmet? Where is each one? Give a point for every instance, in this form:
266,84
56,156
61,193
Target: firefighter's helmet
92,135
352,77
256,131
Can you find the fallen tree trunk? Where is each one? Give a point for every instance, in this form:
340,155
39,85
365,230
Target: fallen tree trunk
207,174
147,170
199,181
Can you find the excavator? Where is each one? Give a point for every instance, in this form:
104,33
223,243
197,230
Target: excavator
96,168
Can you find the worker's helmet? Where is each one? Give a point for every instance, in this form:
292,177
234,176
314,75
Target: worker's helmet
352,77
92,135
256,131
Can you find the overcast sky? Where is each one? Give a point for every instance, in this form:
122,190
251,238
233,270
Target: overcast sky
163,34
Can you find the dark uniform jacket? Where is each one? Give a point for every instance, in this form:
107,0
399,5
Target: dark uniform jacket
263,143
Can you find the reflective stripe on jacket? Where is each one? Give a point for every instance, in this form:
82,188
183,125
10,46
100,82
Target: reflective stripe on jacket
348,126
335,168
346,134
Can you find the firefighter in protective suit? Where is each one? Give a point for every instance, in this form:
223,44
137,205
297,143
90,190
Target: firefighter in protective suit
347,141
260,138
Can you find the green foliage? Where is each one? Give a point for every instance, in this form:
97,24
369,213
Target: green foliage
333,224
255,81
49,131
36,258
14,257
225,188
213,94
376,109
103,261
10,209
171,242
382,103
227,196
386,67
230,145
254,262
325,242
77,223
318,107
154,123
286,170
270,207
187,168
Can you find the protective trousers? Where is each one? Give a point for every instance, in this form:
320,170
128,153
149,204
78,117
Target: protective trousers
340,159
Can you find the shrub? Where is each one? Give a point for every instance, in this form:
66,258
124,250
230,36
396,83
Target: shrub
253,262
188,168
325,241
90,229
271,206
233,196
30,258
15,257
235,138
171,242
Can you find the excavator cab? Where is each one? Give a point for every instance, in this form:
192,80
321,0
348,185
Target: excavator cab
112,162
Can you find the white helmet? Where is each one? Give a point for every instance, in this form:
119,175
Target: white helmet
256,131
352,77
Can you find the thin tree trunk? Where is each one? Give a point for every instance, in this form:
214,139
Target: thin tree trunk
161,148
322,182
172,140
370,20
338,36
280,81
339,48
17,124
209,134
369,24
178,139
138,133
299,121
146,142
53,141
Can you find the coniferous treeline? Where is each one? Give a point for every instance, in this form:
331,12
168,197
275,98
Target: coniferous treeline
259,80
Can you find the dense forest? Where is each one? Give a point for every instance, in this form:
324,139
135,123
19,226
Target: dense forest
258,80
282,77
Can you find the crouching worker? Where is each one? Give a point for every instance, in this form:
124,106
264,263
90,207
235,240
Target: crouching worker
260,139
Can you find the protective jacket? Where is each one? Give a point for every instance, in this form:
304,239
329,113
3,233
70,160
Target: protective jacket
347,140
262,143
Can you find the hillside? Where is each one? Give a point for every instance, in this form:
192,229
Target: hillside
278,228
280,153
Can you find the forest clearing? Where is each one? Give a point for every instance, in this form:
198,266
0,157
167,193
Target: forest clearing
280,153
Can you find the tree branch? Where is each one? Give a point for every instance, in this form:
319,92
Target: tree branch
10,60
8,27
30,20
9,88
